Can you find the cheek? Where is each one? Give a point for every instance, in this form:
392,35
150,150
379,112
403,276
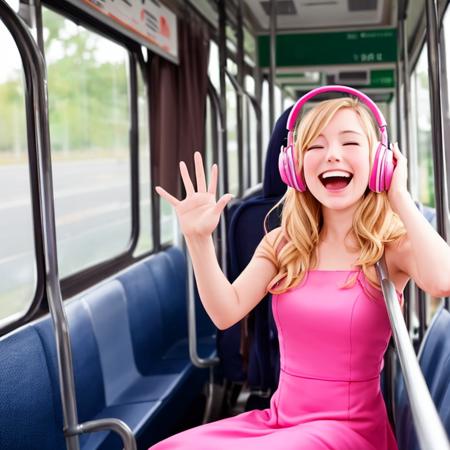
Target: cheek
310,164
362,168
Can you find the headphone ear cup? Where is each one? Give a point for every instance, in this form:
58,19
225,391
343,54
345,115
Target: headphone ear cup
389,167
375,174
287,167
382,170
282,165
296,177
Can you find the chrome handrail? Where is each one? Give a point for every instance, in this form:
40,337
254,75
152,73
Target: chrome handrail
430,431
37,121
116,425
192,325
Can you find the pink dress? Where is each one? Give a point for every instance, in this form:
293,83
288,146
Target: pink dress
332,341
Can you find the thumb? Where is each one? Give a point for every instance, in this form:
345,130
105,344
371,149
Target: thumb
223,201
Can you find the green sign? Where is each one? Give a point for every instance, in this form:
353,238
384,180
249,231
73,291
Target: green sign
382,78
315,49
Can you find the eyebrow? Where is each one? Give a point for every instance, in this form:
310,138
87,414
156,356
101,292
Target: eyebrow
350,131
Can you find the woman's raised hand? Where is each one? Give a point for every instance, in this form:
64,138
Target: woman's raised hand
198,214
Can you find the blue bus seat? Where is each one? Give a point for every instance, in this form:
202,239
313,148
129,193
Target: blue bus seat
123,383
89,378
120,372
30,415
434,360
245,232
85,358
173,304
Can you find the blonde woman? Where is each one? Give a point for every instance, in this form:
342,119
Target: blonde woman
347,204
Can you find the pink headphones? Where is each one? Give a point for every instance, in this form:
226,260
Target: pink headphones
383,167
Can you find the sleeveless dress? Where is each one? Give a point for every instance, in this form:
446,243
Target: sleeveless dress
332,341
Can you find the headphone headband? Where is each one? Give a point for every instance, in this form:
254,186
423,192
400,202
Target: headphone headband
383,164
292,119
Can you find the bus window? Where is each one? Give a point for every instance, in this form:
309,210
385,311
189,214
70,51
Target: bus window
265,119
209,140
145,241
18,280
213,66
421,112
251,131
232,144
421,123
89,133
14,4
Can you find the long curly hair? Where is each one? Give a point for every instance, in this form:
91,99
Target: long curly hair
374,223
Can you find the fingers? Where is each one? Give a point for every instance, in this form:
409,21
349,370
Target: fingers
395,149
170,198
398,155
213,180
199,172
186,179
223,201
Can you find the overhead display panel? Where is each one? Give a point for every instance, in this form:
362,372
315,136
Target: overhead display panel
147,21
315,49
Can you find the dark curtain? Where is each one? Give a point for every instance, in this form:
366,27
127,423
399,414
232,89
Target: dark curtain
178,105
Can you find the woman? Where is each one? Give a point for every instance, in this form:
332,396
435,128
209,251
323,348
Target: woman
337,222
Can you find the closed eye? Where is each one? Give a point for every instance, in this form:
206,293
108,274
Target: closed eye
351,143
314,147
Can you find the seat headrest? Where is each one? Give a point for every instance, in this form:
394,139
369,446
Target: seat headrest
273,186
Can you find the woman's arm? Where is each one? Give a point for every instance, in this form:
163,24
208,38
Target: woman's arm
199,215
422,253
226,303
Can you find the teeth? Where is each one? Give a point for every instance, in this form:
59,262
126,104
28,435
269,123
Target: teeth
336,173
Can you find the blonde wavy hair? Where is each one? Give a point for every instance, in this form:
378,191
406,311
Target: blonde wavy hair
374,222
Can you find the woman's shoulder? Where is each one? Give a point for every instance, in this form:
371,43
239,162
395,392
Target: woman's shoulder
276,237
272,242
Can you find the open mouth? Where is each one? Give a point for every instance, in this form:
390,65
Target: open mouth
335,180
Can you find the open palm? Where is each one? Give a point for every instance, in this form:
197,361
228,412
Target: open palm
199,213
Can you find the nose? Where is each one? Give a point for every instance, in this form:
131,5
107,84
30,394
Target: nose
334,153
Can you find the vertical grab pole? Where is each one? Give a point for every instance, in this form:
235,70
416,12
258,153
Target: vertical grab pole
440,180
223,95
273,59
240,99
412,157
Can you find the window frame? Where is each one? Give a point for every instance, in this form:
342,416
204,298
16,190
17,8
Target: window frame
32,150
91,275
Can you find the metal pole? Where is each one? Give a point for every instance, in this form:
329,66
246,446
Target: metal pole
239,98
436,117
406,95
446,122
440,180
223,96
428,426
273,59
411,155
397,87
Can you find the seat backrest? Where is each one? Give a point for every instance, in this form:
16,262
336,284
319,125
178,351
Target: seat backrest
169,275
88,375
434,359
245,232
30,415
107,306
145,315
